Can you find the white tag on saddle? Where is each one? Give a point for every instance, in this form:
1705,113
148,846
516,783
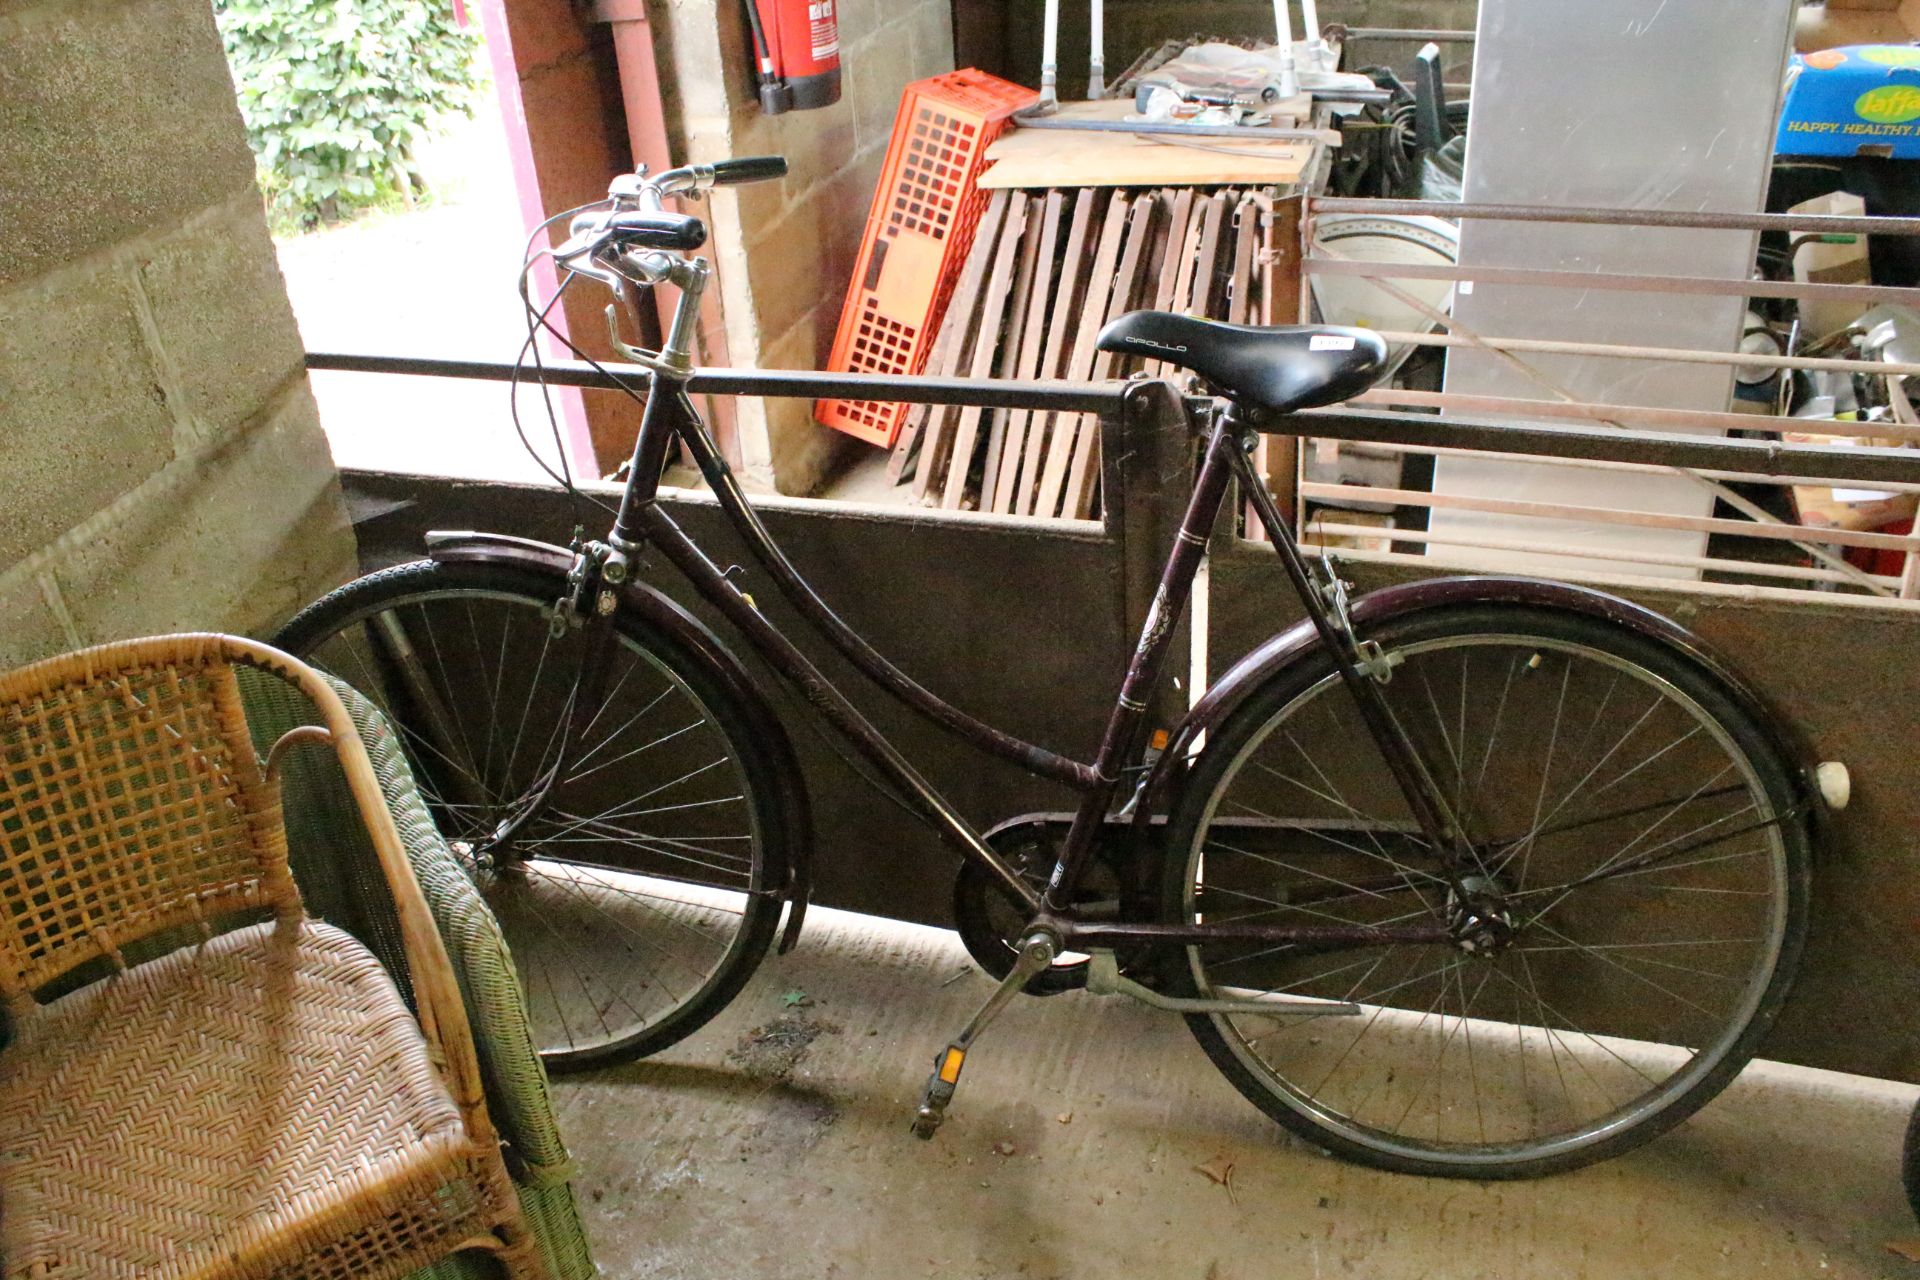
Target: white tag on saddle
1329,342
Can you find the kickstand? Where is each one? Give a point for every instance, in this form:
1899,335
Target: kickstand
1037,951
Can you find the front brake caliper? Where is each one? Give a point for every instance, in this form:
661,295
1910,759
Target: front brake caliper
586,595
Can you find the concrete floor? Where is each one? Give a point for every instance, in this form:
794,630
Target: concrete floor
774,1144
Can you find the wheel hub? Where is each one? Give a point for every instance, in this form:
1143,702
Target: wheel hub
1478,917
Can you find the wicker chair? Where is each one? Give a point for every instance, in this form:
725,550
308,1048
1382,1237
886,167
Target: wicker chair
178,1101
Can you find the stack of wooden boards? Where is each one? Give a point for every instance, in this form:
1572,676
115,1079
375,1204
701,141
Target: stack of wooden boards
1047,271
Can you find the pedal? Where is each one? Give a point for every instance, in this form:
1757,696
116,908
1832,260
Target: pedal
939,1091
1037,950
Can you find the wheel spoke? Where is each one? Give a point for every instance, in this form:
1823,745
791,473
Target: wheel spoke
1406,872
632,720
1525,852
526,707
1618,863
1598,954
1618,815
1579,1031
579,892
443,693
625,756
632,842
1541,826
1332,795
563,939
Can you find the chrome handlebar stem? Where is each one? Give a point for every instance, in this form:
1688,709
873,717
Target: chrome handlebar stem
589,251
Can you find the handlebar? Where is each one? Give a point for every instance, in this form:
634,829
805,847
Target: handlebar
745,169
633,239
658,230
637,217
697,177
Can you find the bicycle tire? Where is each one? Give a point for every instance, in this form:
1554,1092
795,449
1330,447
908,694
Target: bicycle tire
1294,1094
596,926
1910,1162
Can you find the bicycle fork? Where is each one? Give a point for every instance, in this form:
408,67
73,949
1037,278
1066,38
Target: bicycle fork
592,599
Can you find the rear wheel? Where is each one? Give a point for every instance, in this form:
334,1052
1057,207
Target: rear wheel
1910,1168
1636,828
647,887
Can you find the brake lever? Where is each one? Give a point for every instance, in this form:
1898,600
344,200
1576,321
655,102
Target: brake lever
586,233
592,257
590,266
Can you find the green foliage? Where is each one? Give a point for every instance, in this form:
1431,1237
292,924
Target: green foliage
336,93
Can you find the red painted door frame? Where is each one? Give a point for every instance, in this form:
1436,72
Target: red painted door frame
581,105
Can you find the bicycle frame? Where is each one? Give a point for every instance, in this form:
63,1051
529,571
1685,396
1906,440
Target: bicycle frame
670,416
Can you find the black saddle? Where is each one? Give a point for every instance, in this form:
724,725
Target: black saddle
1276,370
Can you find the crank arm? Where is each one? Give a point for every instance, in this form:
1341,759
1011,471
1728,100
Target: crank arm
1105,979
1037,951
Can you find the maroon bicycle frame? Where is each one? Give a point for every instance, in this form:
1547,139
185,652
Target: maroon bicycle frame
670,416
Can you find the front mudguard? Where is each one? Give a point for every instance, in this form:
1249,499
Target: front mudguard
658,612
1391,603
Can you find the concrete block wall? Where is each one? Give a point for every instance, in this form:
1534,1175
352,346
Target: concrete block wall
784,251
161,461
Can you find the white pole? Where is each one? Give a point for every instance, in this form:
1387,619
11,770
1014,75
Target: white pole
1097,69
1283,23
1317,51
1050,57
1283,27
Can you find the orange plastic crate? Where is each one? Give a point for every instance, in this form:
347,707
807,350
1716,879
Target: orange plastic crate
917,237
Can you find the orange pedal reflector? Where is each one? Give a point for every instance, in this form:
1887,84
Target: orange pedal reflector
950,1065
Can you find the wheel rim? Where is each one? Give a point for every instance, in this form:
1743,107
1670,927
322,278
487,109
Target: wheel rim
625,901
1561,1040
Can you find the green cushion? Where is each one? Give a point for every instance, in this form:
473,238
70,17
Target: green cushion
340,878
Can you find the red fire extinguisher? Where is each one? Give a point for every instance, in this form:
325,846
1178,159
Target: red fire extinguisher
797,43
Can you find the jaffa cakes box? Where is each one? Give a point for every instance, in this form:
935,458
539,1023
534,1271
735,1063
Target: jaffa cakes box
1863,100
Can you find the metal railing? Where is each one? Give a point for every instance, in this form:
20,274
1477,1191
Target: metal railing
1622,438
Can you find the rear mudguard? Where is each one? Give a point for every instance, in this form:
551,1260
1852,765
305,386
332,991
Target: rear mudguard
658,612
1391,603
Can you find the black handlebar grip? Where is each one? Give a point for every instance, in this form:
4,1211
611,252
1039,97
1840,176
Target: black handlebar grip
733,173
659,230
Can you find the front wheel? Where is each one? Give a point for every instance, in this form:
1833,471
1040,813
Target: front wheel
1640,838
645,888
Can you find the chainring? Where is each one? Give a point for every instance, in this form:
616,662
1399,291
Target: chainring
990,925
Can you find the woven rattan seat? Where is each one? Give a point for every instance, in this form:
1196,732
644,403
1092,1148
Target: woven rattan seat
175,1117
260,1102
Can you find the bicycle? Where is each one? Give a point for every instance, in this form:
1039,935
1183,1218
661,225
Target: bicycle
1483,877
1910,1162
